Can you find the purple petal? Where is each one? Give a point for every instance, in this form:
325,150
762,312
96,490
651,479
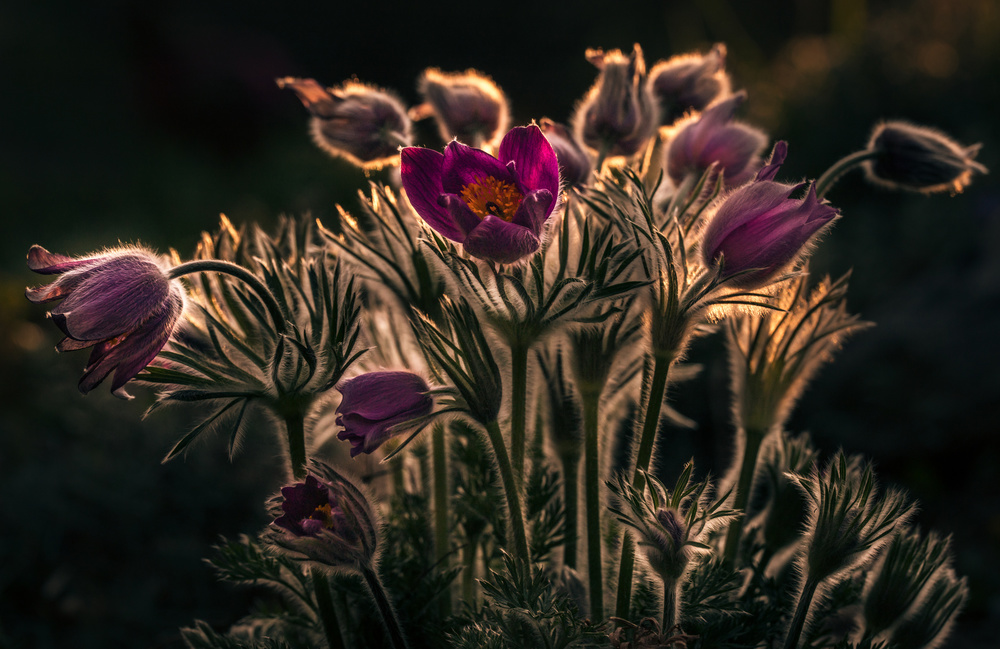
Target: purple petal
534,159
778,154
464,166
44,262
463,219
734,147
380,395
747,203
500,241
534,210
420,172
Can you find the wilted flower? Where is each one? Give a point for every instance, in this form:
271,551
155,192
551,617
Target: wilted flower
714,138
373,404
360,123
619,114
120,302
574,163
494,207
919,159
467,105
324,518
689,82
758,229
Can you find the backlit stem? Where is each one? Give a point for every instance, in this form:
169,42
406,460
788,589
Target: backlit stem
327,613
513,494
442,546
801,611
519,407
240,273
839,168
751,449
592,485
384,607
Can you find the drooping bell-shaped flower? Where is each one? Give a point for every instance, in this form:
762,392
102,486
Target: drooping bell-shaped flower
574,163
618,114
373,404
468,106
120,302
759,229
494,207
360,123
714,138
919,159
689,82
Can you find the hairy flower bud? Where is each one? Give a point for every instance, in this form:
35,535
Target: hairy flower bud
930,624
468,106
120,302
919,159
689,82
619,114
374,405
574,163
360,123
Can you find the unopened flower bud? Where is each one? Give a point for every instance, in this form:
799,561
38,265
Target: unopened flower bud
930,624
360,123
919,159
374,405
468,106
619,114
574,163
689,82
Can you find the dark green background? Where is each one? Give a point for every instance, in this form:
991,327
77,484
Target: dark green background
128,121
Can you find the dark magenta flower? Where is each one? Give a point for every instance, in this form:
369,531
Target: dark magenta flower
468,106
375,402
758,229
357,122
920,159
121,303
689,82
574,163
325,518
494,207
713,138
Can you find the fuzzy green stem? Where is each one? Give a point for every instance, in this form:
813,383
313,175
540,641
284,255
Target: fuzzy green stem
441,544
839,168
469,570
661,371
669,606
295,427
751,449
327,613
571,498
801,610
513,493
518,407
592,485
240,273
384,607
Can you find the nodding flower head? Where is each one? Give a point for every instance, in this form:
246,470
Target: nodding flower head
919,159
619,114
758,229
714,138
574,163
689,82
494,207
468,106
324,518
375,403
121,302
357,122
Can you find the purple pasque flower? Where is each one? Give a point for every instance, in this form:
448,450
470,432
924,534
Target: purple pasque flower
373,403
574,163
758,229
688,82
360,123
494,207
325,518
713,138
119,302
468,106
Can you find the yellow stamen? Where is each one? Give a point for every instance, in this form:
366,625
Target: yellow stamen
325,514
492,196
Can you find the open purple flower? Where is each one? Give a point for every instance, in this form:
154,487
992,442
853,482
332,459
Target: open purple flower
758,229
310,507
494,207
713,138
375,402
121,303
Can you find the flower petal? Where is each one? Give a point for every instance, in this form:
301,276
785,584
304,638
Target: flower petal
464,166
462,218
44,262
380,395
500,241
534,158
534,210
420,172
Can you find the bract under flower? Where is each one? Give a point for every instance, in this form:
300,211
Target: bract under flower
120,302
495,207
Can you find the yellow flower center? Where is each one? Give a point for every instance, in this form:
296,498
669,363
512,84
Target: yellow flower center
491,196
325,514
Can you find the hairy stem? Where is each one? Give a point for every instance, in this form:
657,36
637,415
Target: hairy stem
839,168
327,613
442,547
513,493
571,497
469,570
801,610
669,606
751,449
592,485
240,273
295,427
518,407
384,607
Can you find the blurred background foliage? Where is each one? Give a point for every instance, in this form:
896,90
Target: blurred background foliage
126,121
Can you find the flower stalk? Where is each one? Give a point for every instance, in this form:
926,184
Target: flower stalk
753,439
240,273
384,606
327,612
512,492
592,482
442,546
518,407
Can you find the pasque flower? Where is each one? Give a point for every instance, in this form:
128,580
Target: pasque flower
120,302
758,229
714,138
920,159
363,124
574,163
467,105
494,207
375,402
689,82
